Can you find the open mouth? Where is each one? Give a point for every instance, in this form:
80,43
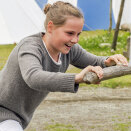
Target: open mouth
68,45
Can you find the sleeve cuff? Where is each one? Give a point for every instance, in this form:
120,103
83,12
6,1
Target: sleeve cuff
105,58
76,86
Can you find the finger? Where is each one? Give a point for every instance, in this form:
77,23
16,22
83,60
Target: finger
99,74
119,59
123,60
115,59
98,71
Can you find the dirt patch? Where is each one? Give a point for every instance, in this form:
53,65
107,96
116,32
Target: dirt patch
94,109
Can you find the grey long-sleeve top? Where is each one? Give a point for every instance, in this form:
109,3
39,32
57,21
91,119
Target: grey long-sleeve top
30,74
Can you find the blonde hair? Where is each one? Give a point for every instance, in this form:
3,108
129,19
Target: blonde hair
59,12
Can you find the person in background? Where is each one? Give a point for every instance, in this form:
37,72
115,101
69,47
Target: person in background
37,66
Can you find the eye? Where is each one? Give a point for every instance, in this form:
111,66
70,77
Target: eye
69,33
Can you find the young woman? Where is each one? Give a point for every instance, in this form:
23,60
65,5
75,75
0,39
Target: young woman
38,63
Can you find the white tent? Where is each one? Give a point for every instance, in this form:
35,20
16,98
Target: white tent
126,16
73,2
18,19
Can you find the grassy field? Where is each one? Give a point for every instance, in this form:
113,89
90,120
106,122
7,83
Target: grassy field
62,127
4,53
91,41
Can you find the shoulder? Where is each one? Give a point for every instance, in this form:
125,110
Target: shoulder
32,40
32,44
76,47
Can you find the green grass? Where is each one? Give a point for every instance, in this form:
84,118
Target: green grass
90,40
122,126
59,127
4,53
62,127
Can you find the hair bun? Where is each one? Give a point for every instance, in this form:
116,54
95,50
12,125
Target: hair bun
46,8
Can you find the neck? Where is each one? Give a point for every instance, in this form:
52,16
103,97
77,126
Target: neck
54,54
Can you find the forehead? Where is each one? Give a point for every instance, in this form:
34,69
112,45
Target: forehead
73,23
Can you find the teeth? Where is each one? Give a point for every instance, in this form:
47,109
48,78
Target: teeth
68,45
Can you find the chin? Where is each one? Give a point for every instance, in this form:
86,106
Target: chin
65,52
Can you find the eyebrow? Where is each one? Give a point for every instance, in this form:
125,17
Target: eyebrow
73,32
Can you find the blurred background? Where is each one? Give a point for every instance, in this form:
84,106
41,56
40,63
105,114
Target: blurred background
106,29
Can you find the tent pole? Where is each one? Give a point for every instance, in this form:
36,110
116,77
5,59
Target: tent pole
130,49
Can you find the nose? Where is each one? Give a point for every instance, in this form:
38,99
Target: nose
75,39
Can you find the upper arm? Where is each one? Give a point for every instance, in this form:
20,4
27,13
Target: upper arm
81,58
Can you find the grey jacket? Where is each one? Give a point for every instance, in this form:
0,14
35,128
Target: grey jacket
30,74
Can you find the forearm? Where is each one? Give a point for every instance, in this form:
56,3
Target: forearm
79,78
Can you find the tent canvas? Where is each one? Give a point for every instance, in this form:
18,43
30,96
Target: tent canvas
18,19
96,12
41,3
126,16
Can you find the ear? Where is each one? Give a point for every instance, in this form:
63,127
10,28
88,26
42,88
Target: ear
50,26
